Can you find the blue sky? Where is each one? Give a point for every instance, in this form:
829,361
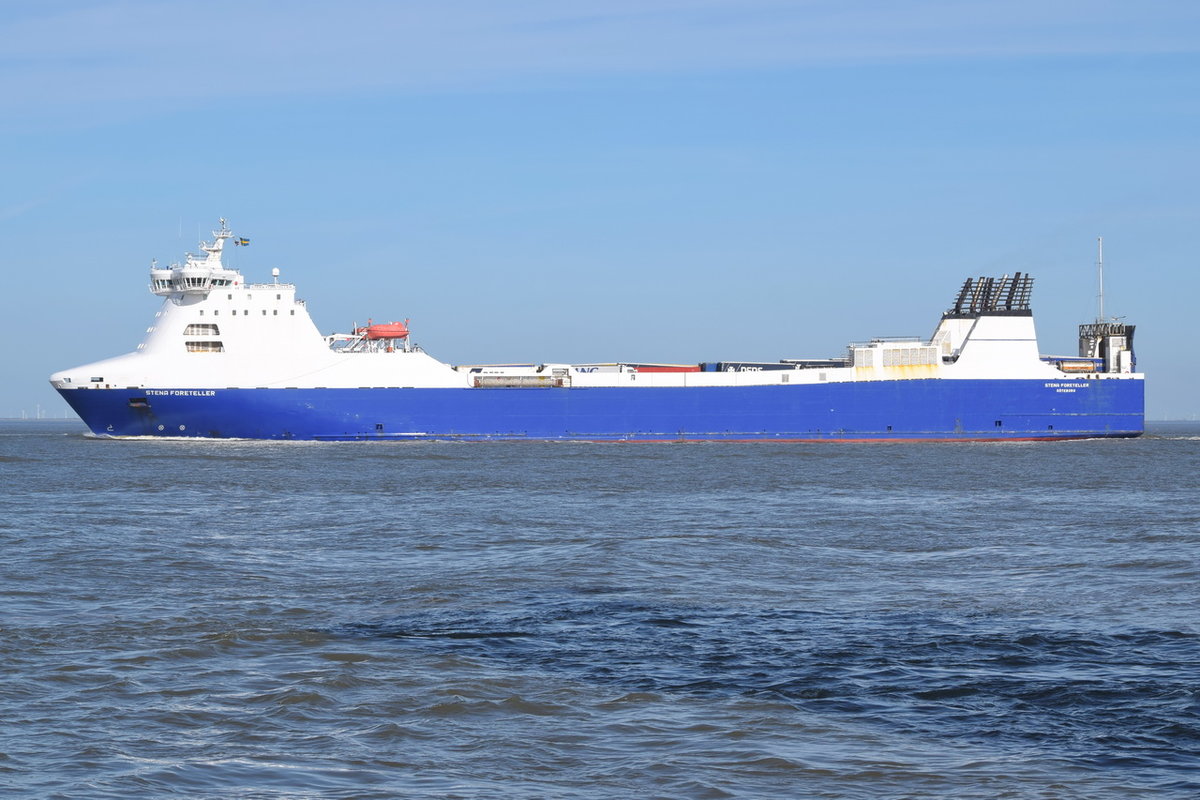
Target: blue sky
592,181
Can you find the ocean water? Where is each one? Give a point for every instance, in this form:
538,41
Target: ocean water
417,620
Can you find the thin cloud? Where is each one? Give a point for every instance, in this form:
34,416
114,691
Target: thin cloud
12,208
69,56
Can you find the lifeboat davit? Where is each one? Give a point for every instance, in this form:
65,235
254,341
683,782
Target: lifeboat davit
385,330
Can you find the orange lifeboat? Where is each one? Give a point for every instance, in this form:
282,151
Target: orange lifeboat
385,330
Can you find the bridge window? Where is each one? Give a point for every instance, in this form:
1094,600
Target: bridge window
201,330
205,347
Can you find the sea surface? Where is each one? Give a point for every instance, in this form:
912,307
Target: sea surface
519,620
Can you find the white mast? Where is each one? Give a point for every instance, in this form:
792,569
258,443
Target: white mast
1100,275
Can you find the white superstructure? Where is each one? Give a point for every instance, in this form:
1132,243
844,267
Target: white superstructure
216,330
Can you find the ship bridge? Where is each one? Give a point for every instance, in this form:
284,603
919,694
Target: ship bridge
197,275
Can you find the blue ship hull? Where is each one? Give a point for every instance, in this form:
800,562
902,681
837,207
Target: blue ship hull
929,409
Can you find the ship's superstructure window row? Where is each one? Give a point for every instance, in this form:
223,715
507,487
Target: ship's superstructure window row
205,347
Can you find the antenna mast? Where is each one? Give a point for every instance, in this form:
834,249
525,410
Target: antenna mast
1100,276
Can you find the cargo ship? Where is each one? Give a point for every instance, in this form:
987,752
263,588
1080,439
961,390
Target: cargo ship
225,358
